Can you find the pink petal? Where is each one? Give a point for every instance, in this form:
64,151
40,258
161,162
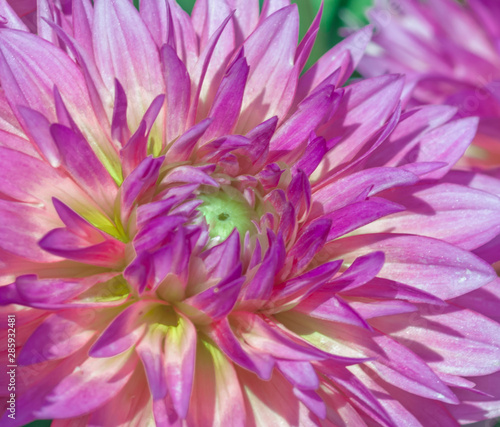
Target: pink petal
88,387
125,331
12,15
270,52
35,63
178,88
368,103
38,127
22,227
454,271
219,300
158,19
180,350
225,108
300,374
429,210
240,352
344,191
217,397
465,342
59,336
83,165
366,212
354,46
310,114
120,54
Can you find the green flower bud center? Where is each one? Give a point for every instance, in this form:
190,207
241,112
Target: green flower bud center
226,210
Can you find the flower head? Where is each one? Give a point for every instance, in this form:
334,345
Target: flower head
450,54
195,235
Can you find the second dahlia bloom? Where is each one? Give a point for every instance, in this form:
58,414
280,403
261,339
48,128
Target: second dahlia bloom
194,235
450,53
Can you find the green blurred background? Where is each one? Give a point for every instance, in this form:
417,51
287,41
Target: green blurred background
336,14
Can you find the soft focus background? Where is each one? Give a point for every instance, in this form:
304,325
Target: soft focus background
337,14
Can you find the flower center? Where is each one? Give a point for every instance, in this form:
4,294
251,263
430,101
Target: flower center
226,209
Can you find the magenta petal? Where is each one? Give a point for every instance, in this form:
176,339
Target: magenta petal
359,394
82,164
300,287
309,242
20,232
180,364
388,290
310,114
189,174
225,108
89,386
138,182
150,350
157,232
307,42
314,153
402,368
32,289
80,241
363,269
299,193
119,126
240,352
447,143
120,55
149,211
408,258
39,128
364,213
183,147
211,51
300,374
140,272
35,63
24,177
368,103
222,259
312,401
59,336
484,300
344,191
370,310
323,305
178,89
158,19
473,213
467,344
122,333
10,15
270,52
408,133
353,46
165,414
258,149
272,340
271,6
261,285
83,16
219,300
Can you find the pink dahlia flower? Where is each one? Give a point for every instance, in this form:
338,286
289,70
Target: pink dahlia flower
450,53
195,234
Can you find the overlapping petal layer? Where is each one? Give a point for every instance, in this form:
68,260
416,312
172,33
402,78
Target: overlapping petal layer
195,234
